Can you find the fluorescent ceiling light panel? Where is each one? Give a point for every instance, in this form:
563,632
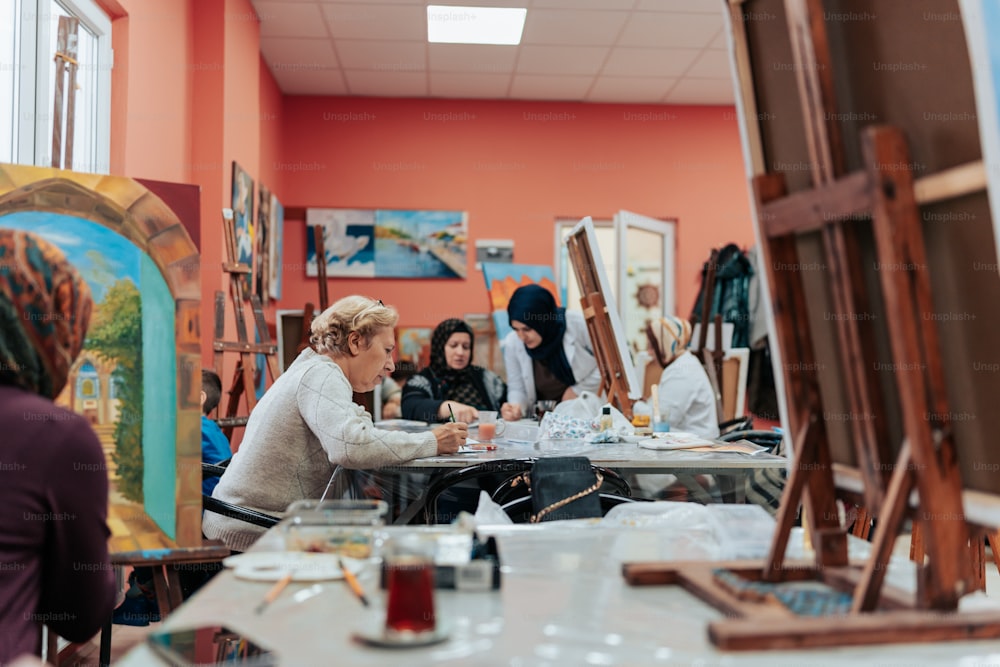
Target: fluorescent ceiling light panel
474,25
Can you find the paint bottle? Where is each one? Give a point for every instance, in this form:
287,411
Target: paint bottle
606,421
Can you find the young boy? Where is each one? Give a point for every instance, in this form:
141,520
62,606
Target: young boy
214,443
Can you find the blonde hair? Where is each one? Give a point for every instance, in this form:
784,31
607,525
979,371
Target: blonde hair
331,328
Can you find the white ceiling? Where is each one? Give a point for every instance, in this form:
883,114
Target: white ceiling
612,51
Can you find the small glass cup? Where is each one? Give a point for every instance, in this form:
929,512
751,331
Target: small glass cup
489,426
409,570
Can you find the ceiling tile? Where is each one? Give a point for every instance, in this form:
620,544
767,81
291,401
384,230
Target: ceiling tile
282,19
582,4
649,62
386,84
720,41
484,58
529,87
671,30
367,21
692,6
297,54
578,27
561,59
631,90
710,64
311,82
701,91
458,85
382,56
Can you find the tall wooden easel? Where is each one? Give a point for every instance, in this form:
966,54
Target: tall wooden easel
243,384
883,192
615,378
67,42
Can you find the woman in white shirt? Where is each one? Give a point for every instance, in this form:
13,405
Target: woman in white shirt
548,355
687,400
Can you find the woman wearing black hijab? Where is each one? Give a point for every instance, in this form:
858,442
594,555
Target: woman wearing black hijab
548,355
452,380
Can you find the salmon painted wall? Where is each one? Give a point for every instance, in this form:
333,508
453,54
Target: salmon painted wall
151,121
515,167
188,93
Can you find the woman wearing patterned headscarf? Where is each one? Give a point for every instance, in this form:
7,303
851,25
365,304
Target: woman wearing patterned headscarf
452,380
548,355
54,566
686,397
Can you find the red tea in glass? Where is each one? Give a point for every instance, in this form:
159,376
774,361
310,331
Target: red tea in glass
410,585
487,432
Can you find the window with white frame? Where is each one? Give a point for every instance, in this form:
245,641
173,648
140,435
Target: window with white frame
28,70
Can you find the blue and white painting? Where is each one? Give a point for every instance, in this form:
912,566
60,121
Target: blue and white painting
348,240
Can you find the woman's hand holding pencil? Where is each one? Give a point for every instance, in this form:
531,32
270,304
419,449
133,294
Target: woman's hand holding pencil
451,436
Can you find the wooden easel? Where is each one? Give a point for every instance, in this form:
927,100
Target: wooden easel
243,380
927,460
613,375
309,308
67,42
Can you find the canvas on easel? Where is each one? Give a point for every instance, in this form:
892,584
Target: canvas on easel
619,378
879,314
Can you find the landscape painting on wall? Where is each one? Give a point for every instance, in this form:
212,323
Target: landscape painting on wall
369,243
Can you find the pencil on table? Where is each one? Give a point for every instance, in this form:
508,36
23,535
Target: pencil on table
353,582
275,591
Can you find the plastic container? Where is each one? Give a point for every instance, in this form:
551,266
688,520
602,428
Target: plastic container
344,527
607,421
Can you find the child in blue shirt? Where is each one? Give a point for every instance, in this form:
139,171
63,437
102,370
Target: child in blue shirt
214,443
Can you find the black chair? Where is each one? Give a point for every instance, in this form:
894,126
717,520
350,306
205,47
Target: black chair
210,504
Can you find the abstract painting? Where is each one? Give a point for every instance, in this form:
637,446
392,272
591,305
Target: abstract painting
413,345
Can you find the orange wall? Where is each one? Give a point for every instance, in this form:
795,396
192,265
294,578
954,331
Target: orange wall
192,94
515,167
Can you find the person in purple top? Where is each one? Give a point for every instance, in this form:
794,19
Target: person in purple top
54,567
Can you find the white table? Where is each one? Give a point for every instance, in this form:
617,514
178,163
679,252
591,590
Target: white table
563,602
729,468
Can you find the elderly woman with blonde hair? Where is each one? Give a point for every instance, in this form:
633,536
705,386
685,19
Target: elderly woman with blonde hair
307,423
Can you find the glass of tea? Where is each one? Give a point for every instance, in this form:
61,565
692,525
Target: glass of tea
489,426
409,570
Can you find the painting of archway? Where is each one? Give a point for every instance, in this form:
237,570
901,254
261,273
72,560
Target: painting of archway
138,378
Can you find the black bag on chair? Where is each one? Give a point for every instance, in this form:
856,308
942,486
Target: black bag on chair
565,487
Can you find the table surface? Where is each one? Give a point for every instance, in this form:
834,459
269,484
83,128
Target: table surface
623,455
563,601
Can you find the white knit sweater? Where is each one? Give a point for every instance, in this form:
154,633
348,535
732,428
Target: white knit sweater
305,425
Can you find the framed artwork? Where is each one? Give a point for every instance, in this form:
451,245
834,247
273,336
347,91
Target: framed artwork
501,281
414,346
420,244
137,379
244,222
262,242
276,233
369,243
348,241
